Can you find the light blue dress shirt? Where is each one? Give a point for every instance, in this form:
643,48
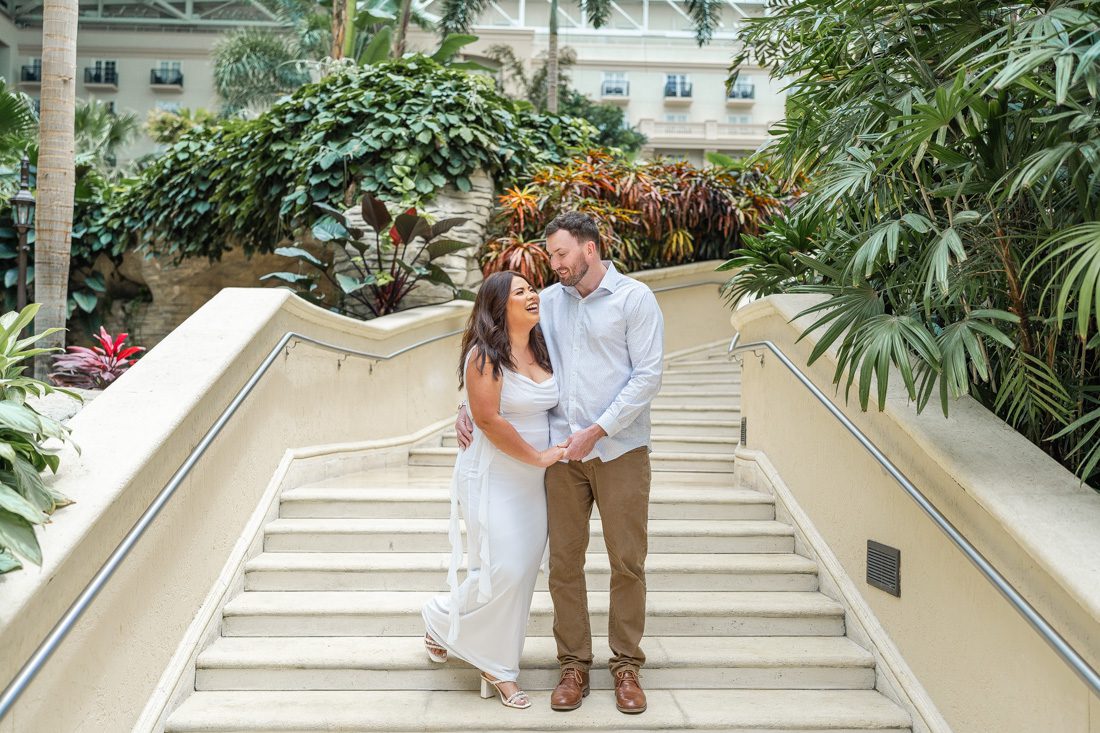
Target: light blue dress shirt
607,351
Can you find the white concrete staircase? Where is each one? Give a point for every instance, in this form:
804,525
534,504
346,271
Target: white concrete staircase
327,632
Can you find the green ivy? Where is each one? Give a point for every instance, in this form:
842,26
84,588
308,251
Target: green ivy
401,129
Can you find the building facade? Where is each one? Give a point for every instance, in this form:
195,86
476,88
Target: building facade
142,56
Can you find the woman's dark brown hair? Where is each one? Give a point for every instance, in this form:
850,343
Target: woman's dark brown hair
487,329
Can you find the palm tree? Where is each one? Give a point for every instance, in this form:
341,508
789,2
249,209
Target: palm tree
56,171
459,16
99,133
254,67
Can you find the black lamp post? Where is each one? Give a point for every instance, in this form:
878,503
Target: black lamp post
22,211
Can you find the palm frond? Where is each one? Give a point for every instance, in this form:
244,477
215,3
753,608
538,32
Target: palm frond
459,16
706,15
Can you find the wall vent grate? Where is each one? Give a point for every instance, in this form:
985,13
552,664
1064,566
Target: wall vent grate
884,567
744,431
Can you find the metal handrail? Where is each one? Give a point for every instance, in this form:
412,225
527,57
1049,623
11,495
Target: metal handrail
61,629
1033,617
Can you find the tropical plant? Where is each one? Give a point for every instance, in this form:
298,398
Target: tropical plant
18,129
253,67
528,258
378,275
402,130
608,119
25,500
57,171
459,16
96,367
650,214
167,127
98,133
955,147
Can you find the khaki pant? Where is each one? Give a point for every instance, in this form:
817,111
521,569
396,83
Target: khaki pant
620,488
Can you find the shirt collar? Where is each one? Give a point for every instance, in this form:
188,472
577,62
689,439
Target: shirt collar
611,281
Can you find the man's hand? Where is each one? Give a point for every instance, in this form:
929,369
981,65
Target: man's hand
581,443
464,427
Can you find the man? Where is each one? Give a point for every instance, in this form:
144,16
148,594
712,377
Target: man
605,336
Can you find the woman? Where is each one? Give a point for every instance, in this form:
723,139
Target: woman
498,486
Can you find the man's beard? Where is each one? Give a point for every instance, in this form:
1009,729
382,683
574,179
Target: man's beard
575,276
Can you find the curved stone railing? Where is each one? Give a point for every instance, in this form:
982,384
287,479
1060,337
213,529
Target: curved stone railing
137,434
983,666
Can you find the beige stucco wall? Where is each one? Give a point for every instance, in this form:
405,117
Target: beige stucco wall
139,431
984,667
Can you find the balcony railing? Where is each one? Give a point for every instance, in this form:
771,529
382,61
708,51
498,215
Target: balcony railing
678,90
742,91
702,135
101,77
615,88
166,78
30,74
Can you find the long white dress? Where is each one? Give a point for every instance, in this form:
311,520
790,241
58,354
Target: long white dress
503,503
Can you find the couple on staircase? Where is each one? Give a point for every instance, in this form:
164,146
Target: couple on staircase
559,386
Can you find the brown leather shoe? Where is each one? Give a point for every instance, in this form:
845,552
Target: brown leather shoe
629,696
571,690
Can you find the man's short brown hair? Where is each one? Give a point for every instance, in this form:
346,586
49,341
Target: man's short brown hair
581,226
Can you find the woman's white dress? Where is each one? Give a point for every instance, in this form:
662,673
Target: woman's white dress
503,503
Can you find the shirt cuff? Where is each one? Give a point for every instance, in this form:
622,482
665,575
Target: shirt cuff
609,424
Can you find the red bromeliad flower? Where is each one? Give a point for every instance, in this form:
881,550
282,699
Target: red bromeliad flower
97,367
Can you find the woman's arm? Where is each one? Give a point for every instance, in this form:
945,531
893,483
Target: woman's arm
484,390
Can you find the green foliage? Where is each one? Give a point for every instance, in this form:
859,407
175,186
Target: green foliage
650,214
253,67
25,500
98,134
373,276
955,148
167,127
401,130
608,119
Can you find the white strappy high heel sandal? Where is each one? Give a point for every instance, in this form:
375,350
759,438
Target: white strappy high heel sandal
436,652
517,699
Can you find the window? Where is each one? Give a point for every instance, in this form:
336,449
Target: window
615,84
31,72
676,117
739,119
168,106
677,85
167,73
102,71
745,88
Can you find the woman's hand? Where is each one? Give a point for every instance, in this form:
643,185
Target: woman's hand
550,456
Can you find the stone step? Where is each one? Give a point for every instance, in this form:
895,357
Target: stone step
690,397
662,442
430,535
715,380
714,358
416,478
740,711
435,503
702,366
659,462
677,411
427,571
389,613
400,663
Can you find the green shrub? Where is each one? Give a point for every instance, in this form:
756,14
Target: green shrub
25,500
401,129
